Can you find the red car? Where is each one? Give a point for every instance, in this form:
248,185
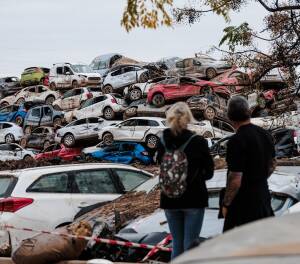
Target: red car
58,151
179,88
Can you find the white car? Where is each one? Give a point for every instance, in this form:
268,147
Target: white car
14,151
140,90
10,132
75,97
107,105
146,129
82,129
68,75
122,76
45,198
32,93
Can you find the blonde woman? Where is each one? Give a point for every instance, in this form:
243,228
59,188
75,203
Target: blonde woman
185,213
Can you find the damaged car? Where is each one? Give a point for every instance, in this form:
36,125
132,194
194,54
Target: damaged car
119,152
10,132
103,63
13,151
13,113
31,93
82,129
75,98
179,88
39,138
122,76
107,105
34,76
9,86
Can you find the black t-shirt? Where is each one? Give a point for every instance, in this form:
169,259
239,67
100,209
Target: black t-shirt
251,151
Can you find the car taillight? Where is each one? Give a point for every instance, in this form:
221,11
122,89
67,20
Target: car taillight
113,100
145,153
89,95
13,204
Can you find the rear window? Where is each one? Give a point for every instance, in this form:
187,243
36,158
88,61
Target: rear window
7,184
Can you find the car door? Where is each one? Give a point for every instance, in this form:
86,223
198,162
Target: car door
34,117
93,186
125,130
5,153
67,76
141,129
80,128
116,78
93,127
31,94
52,196
12,153
129,75
60,77
98,105
47,116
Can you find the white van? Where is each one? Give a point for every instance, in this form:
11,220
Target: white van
68,75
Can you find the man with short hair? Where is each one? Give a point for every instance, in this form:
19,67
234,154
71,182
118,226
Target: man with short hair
251,160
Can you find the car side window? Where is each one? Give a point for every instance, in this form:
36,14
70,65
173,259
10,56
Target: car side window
59,70
51,183
99,99
153,123
31,90
41,89
47,111
5,125
131,179
94,182
36,112
79,122
49,149
93,120
117,72
128,69
68,69
142,122
129,123
4,147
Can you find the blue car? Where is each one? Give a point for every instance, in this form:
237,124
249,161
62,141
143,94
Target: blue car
13,113
119,152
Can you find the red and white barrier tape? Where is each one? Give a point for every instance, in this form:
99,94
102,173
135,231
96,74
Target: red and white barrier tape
96,239
153,251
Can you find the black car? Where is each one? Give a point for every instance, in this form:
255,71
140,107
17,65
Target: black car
9,86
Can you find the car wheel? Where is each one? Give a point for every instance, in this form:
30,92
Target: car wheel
27,158
211,73
46,144
57,107
20,101
27,130
209,113
53,86
158,100
19,120
3,104
75,84
108,138
130,112
9,138
107,89
68,140
208,134
23,143
57,122
50,100
135,94
108,113
152,141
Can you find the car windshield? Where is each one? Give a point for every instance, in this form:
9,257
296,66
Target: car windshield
80,68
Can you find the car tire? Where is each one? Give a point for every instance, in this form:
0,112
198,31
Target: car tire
46,144
27,158
19,120
20,101
135,94
209,113
28,130
107,89
130,112
3,104
57,107
68,140
208,134
75,84
108,138
50,99
211,73
23,142
9,138
53,86
57,122
158,100
151,141
108,113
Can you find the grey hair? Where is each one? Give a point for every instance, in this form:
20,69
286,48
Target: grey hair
238,109
179,116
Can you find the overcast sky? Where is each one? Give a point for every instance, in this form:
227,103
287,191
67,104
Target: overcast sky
43,32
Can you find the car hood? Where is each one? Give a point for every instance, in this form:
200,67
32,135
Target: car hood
90,74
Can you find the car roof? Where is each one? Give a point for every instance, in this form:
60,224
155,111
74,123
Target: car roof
106,56
147,118
59,168
4,122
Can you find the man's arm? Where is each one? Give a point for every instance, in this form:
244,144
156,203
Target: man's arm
234,182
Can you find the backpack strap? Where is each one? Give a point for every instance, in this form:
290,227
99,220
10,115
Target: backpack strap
182,147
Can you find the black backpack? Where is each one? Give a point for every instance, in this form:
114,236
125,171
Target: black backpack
174,170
